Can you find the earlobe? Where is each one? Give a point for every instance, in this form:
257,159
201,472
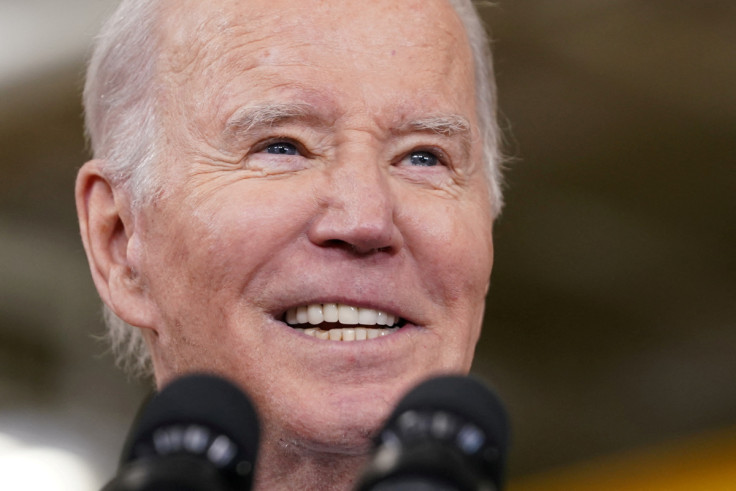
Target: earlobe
107,228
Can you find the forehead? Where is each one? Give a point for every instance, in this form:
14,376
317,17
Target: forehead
354,22
319,47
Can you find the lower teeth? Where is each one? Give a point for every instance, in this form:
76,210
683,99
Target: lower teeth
348,334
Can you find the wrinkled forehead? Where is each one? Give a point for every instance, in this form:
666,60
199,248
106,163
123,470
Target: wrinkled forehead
367,63
192,27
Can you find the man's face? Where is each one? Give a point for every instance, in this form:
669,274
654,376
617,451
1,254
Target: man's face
316,153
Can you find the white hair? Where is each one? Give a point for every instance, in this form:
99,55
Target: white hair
485,98
121,97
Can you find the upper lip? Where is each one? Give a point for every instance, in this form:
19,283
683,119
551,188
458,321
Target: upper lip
392,310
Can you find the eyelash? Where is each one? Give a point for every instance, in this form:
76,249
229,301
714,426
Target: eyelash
262,147
438,155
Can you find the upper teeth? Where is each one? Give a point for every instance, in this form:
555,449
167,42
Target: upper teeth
318,313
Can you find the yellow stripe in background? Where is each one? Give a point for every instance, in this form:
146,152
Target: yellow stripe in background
703,463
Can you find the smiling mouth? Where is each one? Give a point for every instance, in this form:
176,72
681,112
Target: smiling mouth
340,322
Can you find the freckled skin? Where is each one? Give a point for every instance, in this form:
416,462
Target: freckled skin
240,235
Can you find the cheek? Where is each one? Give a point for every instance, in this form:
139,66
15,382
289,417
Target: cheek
454,249
208,253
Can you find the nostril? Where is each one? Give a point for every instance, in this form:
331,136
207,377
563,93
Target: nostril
359,220
355,249
364,251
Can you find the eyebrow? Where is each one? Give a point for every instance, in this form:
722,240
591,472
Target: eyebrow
268,115
271,114
451,125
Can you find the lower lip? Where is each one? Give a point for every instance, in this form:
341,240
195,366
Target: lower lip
387,355
394,335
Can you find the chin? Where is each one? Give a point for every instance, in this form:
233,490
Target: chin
342,422
342,438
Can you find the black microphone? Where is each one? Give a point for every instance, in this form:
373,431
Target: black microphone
199,433
449,433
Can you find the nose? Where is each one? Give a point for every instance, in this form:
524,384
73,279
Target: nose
357,210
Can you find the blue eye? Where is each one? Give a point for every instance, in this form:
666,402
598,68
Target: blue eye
282,148
423,159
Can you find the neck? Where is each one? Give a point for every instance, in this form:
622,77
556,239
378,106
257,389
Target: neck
286,466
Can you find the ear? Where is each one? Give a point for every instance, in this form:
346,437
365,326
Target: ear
107,227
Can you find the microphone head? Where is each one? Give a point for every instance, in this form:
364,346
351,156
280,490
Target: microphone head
451,431
201,418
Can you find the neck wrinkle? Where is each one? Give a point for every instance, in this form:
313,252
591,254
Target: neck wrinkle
285,470
287,466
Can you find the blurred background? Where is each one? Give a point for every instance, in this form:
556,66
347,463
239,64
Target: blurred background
611,322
